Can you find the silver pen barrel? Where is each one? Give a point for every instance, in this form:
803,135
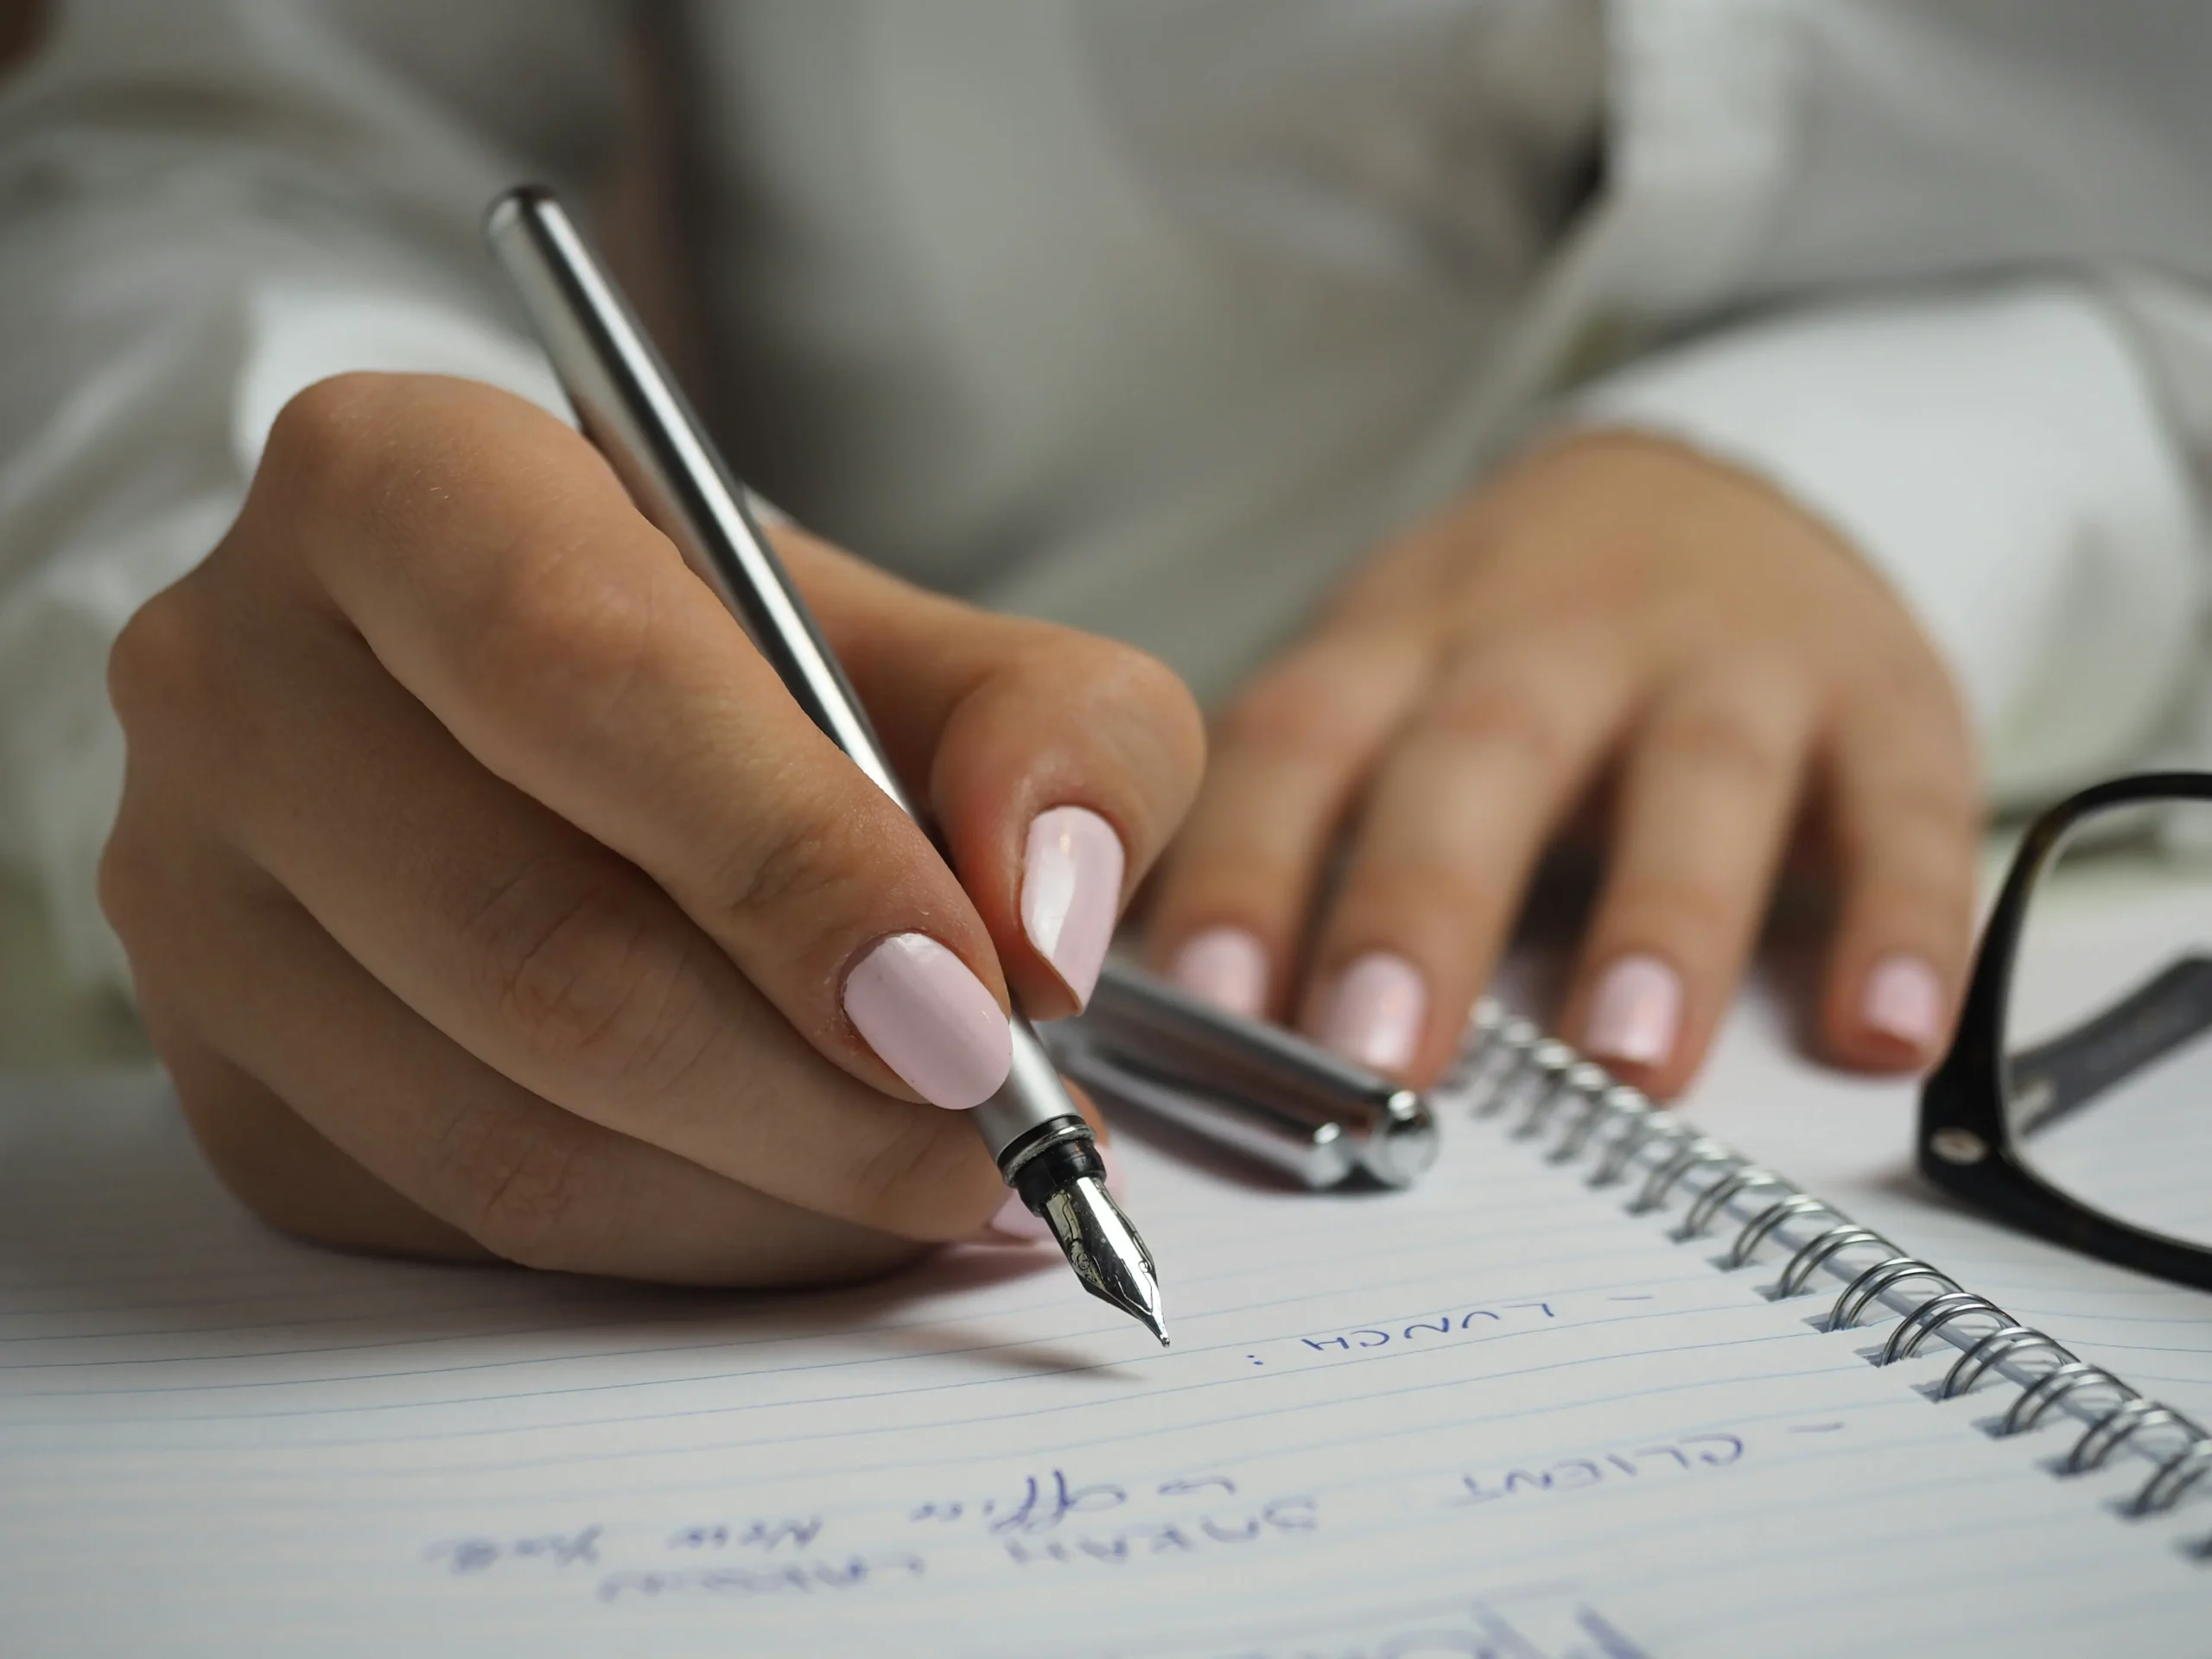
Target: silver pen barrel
631,410
1254,1088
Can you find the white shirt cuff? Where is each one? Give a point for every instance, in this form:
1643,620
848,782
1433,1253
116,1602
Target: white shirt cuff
2001,458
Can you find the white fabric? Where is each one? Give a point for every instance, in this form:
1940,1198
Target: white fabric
1155,318
1995,456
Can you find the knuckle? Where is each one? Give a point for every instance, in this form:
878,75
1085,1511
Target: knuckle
322,435
1123,674
1926,816
807,860
1944,808
129,884
1413,896
554,644
1914,907
1152,699
586,977
525,1186
1496,708
1296,708
1453,892
1921,876
161,671
1911,717
1701,921
1727,742
913,1184
1120,718
877,1186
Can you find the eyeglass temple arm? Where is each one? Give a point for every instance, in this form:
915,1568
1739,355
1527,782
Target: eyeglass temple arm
2069,1071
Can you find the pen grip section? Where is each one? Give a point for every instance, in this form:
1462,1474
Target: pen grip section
1032,1097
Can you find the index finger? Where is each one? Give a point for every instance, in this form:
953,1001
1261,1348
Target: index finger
1056,763
497,569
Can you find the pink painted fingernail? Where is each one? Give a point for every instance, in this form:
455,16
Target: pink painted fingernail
1376,1013
1225,966
1904,1000
1071,893
1014,1223
1636,1013
931,1020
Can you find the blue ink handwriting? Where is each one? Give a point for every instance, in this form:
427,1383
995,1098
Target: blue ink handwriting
467,1555
1573,1474
1444,1324
788,1578
1118,1545
749,1534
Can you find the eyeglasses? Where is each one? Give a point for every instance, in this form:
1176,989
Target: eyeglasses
2076,1100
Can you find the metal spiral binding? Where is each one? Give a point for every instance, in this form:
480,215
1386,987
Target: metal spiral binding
1862,1292
1579,1081
1531,1073
1710,1203
1756,1229
2175,1476
1817,1250
2028,1410
2130,1415
1932,1316
1507,1065
2004,1340
1661,1180
1619,1103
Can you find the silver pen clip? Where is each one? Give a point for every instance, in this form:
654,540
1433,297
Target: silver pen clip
1254,1089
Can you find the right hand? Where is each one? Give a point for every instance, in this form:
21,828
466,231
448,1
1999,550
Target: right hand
487,893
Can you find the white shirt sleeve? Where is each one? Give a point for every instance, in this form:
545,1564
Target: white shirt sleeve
2002,458
163,291
130,485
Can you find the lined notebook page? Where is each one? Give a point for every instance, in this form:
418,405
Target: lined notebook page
1498,1415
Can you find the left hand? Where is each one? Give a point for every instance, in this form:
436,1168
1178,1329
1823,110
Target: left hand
1612,607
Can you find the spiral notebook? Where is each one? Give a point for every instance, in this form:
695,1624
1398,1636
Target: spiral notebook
1549,1404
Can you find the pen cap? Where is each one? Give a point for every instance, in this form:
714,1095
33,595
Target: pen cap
1148,1026
1316,1153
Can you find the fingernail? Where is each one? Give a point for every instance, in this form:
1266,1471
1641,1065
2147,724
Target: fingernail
1904,1000
1375,1014
1637,1012
1014,1222
1225,966
931,1020
1071,893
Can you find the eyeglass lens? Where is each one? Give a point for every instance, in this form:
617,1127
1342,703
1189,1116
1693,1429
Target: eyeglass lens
2108,1025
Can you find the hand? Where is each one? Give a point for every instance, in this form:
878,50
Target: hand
487,893
1613,609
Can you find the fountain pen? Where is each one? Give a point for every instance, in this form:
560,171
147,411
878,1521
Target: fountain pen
630,408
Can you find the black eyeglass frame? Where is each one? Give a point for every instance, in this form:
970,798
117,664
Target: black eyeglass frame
1967,1145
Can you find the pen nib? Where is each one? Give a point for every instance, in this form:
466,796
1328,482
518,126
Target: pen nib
1105,1251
